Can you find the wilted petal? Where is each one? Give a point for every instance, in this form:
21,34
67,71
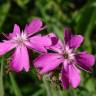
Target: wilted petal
76,41
6,46
39,43
16,31
47,62
34,26
74,76
20,59
85,60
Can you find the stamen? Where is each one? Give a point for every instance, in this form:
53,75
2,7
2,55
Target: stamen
68,53
20,39
65,56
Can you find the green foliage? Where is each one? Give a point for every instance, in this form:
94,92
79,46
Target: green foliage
79,15
4,9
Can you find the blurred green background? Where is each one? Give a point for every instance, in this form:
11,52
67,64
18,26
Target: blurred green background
79,15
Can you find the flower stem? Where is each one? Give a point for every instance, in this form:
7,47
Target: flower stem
70,91
50,89
47,86
16,89
1,78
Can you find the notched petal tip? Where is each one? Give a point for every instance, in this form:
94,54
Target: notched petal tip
67,34
16,28
85,60
34,26
26,69
76,41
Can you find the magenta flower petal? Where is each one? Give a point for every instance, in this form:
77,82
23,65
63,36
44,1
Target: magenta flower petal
16,63
74,76
34,26
67,35
85,60
70,75
64,79
53,38
25,58
16,31
47,62
75,41
57,45
39,43
6,46
20,59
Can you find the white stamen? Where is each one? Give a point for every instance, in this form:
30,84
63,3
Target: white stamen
68,53
20,38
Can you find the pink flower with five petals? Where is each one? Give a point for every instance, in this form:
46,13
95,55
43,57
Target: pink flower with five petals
71,61
21,41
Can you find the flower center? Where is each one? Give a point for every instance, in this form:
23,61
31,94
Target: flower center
68,53
65,56
20,38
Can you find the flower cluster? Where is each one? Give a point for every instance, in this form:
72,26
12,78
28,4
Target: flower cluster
63,56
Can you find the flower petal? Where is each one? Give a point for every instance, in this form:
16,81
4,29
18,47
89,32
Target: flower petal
6,46
57,45
64,79
16,64
53,38
85,60
67,35
74,76
47,62
39,43
75,41
20,59
16,31
34,26
25,58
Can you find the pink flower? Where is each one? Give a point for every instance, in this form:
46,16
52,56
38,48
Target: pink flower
65,54
21,41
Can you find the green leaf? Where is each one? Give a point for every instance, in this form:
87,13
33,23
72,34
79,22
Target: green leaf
38,93
89,28
90,86
59,33
22,3
86,22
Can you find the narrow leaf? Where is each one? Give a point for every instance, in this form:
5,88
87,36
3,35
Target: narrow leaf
1,78
16,89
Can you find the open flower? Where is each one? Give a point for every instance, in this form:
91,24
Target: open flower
21,40
66,56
